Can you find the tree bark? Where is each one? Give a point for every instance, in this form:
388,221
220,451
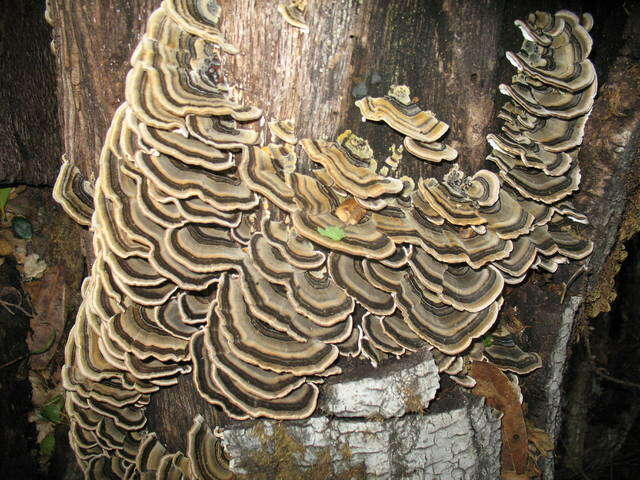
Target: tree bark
29,130
451,54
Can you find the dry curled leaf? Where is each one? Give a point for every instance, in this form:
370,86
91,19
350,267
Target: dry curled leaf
511,475
540,445
540,439
48,298
502,395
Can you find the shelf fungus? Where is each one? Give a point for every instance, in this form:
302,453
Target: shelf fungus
284,130
293,12
217,256
421,127
74,193
351,166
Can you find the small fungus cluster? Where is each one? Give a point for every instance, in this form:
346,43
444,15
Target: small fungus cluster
293,12
216,257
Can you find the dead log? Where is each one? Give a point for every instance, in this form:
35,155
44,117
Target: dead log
450,53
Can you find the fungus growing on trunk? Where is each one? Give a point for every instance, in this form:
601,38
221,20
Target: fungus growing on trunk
284,130
293,12
349,259
401,113
74,193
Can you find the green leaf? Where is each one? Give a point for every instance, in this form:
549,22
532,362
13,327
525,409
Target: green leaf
47,445
4,199
58,400
51,412
334,233
487,340
47,346
22,228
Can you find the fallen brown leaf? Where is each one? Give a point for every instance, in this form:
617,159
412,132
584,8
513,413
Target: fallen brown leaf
511,475
540,439
503,395
48,299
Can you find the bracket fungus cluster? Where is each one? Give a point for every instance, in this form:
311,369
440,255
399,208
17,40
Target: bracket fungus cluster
193,275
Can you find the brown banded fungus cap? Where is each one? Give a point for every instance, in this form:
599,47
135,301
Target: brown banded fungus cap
159,88
293,12
203,249
284,130
551,100
504,353
382,276
185,149
224,193
136,332
531,155
434,152
452,244
258,344
374,332
173,93
311,293
400,112
168,316
206,455
74,193
559,58
200,18
221,132
174,466
296,250
203,371
351,166
239,381
262,175
315,220
236,352
450,330
533,183
269,303
396,328
457,285
550,134
522,258
347,271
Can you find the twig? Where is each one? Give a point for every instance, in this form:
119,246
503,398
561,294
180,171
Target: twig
8,306
15,360
574,468
602,372
569,282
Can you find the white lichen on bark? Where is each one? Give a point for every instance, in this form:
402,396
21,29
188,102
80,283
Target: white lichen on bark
383,433
391,394
557,364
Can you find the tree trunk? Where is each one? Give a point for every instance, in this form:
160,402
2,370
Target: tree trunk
451,54
29,129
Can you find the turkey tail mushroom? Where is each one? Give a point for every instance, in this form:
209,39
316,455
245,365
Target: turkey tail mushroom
74,193
349,259
543,128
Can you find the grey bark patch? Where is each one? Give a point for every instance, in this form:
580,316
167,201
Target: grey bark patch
379,425
557,364
392,393
463,443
